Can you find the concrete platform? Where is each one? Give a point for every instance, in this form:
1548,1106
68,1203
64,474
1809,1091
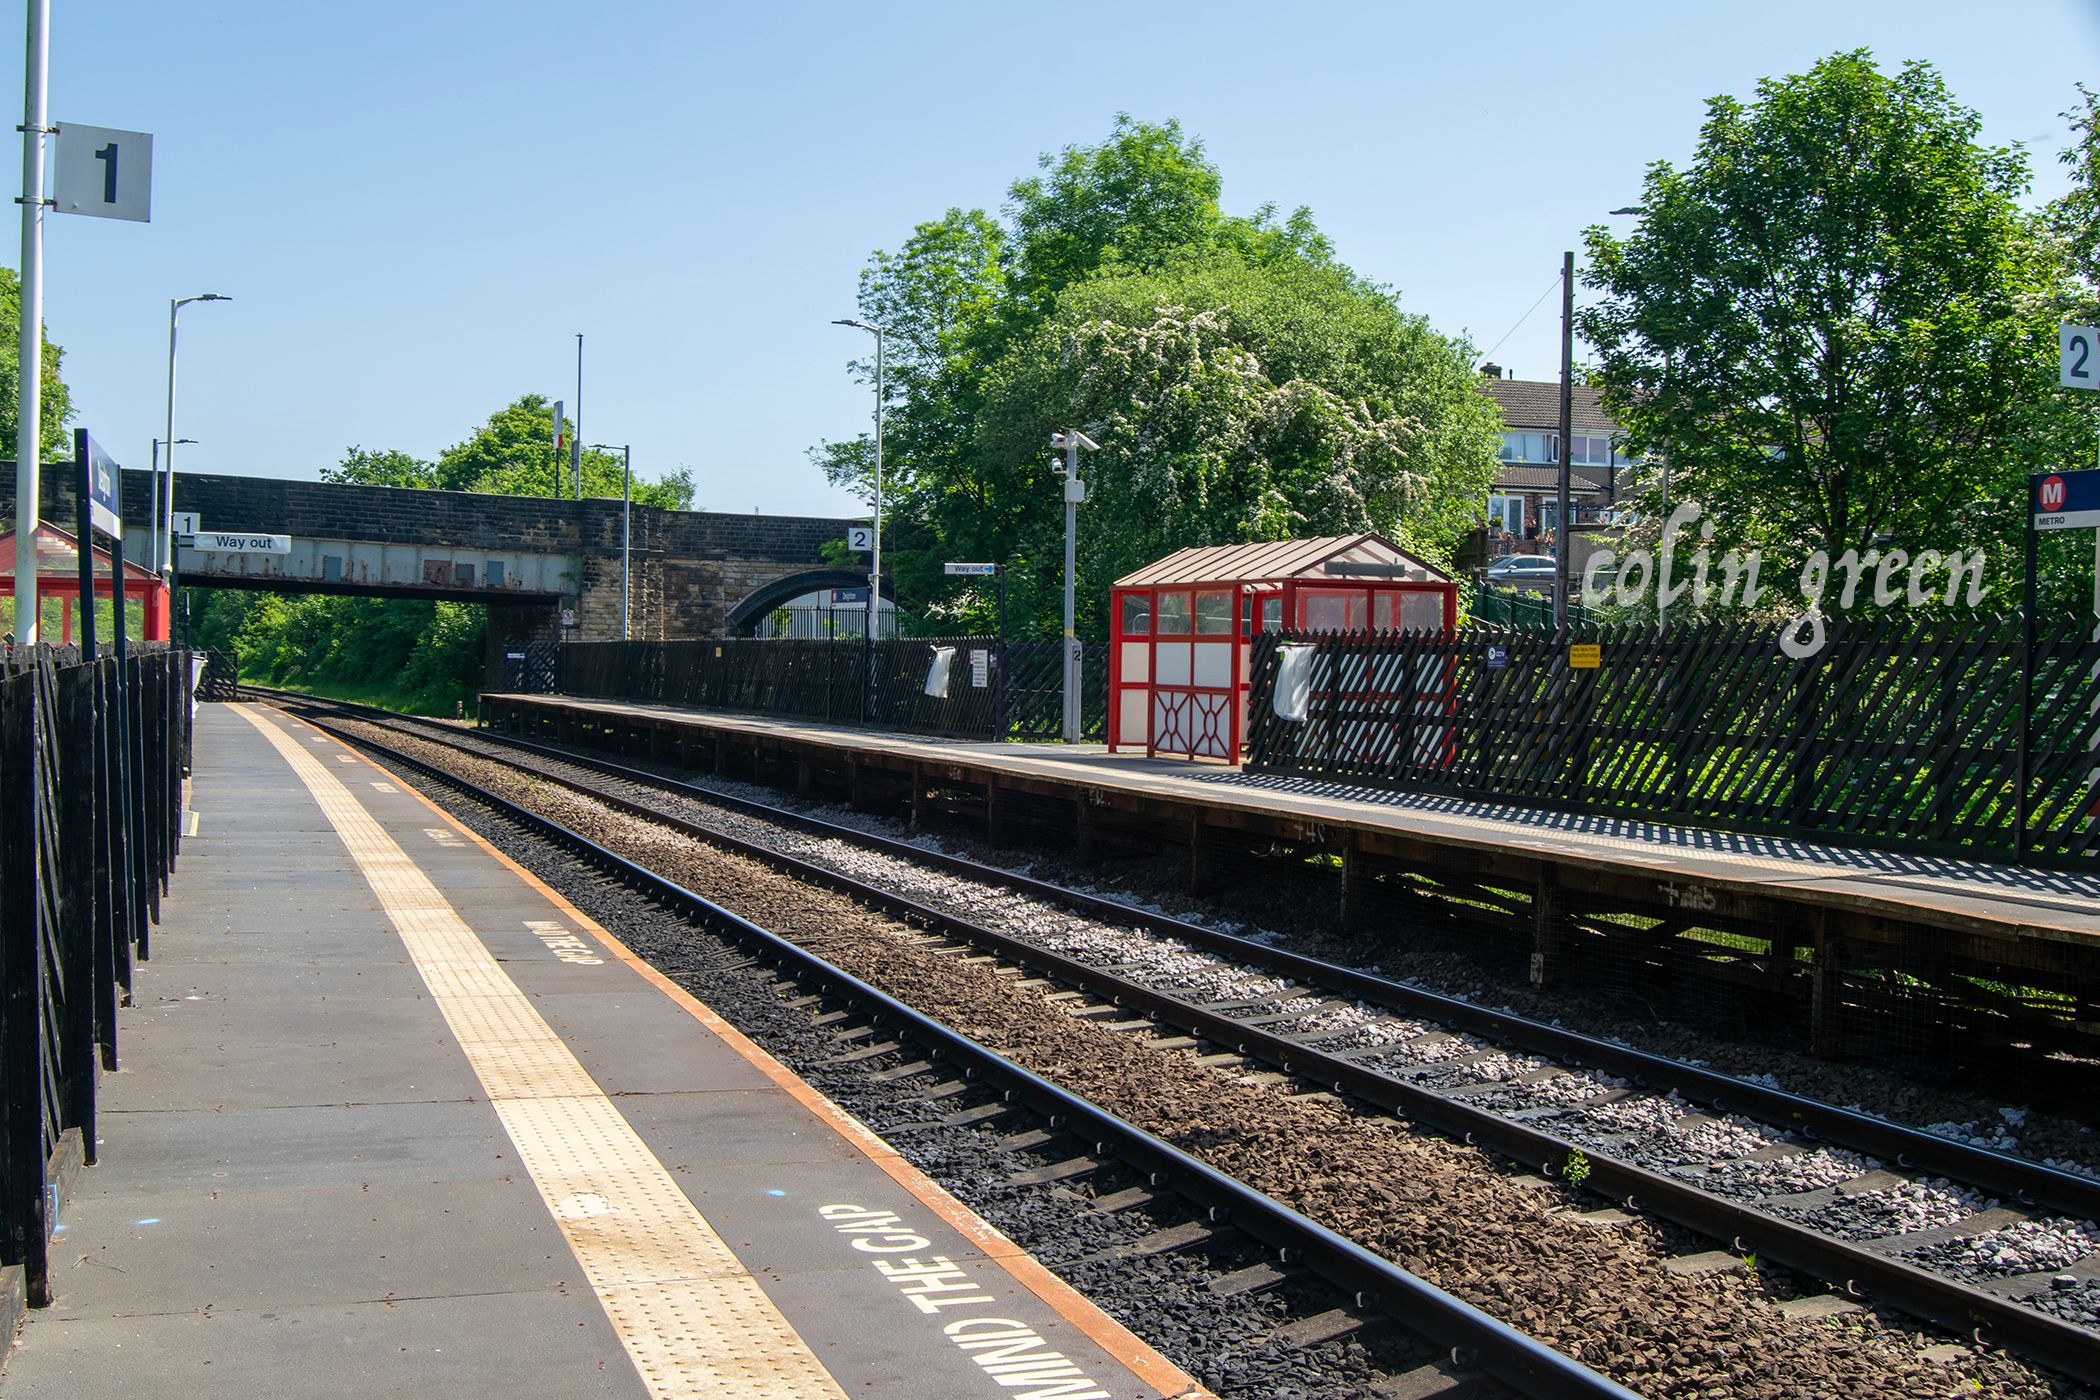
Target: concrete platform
393,1119
1697,868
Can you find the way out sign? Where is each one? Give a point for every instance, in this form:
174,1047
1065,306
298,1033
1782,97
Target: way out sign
226,542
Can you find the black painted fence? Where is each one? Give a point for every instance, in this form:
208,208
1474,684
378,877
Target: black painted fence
1021,696
1901,734
92,757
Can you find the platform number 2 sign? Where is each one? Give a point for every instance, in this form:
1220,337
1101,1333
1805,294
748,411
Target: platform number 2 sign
2078,364
102,172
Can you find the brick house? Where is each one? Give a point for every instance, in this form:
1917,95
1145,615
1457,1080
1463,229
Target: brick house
1524,500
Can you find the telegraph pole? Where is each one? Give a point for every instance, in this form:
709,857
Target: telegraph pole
1563,537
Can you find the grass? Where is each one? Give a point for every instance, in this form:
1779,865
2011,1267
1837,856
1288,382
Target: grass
381,694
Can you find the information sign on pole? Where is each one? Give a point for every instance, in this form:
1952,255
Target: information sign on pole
102,172
2078,357
972,570
2066,500
860,539
104,478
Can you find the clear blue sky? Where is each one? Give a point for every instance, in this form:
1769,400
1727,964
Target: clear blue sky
418,206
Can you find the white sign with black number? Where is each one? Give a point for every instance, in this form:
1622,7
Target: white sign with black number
99,171
229,543
860,538
186,522
2078,357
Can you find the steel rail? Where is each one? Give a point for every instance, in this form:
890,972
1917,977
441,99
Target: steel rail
1863,1273
1913,1149
1502,1351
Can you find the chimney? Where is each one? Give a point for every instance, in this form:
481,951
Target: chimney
1491,370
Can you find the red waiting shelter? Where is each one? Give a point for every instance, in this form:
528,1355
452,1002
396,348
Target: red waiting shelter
58,576
1181,627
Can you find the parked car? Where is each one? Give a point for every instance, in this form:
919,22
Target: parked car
1524,571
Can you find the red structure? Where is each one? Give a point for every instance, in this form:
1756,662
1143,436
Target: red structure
1180,628
58,576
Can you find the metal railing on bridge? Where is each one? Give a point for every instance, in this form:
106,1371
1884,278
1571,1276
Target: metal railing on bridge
92,756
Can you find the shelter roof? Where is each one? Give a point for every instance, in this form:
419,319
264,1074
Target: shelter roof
58,560
1272,561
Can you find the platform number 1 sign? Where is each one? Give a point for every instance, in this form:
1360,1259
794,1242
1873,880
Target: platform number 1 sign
102,172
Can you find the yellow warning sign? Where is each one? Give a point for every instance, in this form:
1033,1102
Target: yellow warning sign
1585,656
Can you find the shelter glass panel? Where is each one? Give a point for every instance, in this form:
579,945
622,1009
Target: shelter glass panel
1172,660
1137,614
1422,612
1174,614
1214,614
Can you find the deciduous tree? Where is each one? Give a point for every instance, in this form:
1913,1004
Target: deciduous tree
1830,320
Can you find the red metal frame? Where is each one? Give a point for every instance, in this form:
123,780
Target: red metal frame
1191,702
64,585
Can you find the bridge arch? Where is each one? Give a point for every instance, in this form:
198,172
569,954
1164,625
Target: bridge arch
745,617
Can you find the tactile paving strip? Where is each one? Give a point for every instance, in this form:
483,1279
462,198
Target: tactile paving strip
693,1320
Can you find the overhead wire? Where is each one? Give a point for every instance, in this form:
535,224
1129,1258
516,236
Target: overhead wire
1525,317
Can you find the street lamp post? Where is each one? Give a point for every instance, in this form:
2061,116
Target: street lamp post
626,520
1073,442
875,557
164,500
153,475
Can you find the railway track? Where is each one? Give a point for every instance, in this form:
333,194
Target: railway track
1471,1073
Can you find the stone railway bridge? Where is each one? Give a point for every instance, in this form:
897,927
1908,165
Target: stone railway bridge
529,560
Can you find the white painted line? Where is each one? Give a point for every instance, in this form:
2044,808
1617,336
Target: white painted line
694,1322
191,829
385,787
346,758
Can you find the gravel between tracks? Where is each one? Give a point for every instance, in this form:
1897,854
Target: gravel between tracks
1444,1211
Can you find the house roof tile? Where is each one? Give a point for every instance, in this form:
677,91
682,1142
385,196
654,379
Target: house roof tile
1533,405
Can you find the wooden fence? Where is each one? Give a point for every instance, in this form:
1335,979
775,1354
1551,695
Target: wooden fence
1901,734
995,690
92,756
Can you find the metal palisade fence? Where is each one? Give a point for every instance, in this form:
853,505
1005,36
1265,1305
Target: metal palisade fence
92,756
994,690
1897,733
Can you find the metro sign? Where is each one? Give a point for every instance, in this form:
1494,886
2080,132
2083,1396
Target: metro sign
2066,500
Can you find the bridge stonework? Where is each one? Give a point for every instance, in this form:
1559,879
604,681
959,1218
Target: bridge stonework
690,569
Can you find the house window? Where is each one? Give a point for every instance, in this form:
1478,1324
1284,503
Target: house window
1507,512
1591,452
1137,614
1530,447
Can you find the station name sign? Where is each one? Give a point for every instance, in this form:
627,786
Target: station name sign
221,542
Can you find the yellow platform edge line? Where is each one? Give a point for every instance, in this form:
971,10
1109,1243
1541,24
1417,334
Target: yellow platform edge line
703,1327
1111,1336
